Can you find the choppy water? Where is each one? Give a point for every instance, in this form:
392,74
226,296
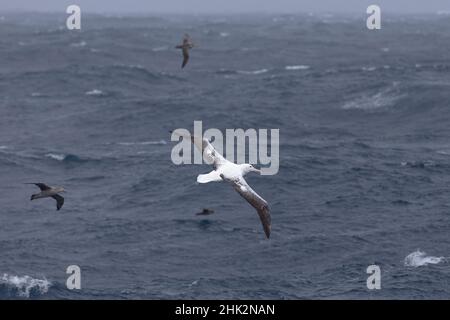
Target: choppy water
365,156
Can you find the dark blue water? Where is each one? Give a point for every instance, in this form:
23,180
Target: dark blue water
364,121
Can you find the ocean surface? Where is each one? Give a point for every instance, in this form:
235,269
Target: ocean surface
364,119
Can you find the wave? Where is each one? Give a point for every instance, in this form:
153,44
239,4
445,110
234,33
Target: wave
418,164
228,72
299,67
37,95
369,69
64,157
384,99
94,92
143,143
419,258
79,44
445,152
254,72
23,286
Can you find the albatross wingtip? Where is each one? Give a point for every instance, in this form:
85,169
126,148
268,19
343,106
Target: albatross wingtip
267,231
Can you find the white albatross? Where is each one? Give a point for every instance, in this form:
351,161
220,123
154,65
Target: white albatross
232,173
47,192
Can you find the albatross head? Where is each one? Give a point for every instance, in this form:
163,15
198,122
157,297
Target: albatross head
60,189
249,168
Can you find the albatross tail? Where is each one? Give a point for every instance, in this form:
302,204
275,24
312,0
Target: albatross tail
209,177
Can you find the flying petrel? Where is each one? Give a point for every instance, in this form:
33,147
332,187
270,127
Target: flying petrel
47,191
185,47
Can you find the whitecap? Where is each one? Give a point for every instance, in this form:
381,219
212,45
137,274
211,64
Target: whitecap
383,99
299,67
59,157
78,44
94,92
369,69
224,34
385,49
261,71
143,143
419,258
443,152
193,283
25,285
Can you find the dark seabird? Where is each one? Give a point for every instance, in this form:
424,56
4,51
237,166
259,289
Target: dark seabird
228,171
47,192
185,47
205,212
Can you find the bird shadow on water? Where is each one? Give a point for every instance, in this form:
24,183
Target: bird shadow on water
205,224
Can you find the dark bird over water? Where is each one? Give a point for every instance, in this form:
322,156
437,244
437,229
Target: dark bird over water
185,47
47,192
205,212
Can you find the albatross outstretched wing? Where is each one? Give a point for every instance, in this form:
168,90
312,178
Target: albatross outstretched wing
41,186
59,201
210,155
261,205
185,56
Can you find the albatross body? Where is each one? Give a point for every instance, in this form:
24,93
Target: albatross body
232,173
49,192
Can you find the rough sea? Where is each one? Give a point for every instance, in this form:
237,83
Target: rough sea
364,119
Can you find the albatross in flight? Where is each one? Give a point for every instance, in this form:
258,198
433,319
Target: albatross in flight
47,192
232,173
185,47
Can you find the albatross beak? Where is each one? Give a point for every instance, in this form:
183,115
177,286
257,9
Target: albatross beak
256,170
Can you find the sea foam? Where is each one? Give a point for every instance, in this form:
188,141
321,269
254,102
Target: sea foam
419,258
24,286
261,71
299,67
